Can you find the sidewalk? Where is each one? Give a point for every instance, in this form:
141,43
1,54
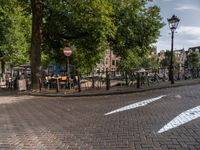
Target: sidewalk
100,92
113,90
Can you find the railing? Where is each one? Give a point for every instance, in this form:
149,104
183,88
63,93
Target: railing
135,79
109,79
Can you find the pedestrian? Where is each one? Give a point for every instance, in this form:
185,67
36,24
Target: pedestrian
7,80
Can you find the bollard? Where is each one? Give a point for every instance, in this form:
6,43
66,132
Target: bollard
79,84
57,85
93,82
138,80
40,85
126,76
107,80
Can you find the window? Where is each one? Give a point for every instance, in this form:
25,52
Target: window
98,71
103,71
106,60
117,62
113,62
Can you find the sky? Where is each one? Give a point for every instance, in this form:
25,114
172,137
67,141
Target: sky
188,31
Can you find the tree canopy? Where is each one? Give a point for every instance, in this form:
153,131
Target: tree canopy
84,25
128,27
15,25
166,61
91,27
137,29
193,60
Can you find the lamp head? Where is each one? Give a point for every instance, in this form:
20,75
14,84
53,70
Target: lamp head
173,22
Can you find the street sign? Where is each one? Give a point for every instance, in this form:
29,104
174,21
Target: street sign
67,51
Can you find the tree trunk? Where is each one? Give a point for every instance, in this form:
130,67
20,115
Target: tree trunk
2,67
37,15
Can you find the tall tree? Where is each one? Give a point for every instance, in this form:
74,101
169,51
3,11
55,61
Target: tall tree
84,25
4,24
15,25
93,26
36,40
166,61
138,28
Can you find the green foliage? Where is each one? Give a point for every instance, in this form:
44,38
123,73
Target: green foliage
138,28
133,62
130,63
4,24
150,62
15,29
166,61
89,27
84,25
193,60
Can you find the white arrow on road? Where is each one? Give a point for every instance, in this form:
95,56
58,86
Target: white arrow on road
181,119
135,105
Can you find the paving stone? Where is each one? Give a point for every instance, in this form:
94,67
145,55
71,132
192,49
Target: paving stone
30,123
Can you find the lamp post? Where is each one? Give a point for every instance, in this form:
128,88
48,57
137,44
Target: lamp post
173,23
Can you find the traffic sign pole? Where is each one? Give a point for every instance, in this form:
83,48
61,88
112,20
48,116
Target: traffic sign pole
68,69
68,52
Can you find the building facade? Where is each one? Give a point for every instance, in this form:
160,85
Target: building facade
180,56
110,62
194,49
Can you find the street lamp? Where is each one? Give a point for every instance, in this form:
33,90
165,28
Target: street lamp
173,23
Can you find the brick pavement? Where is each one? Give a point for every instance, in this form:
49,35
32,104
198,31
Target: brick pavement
42,123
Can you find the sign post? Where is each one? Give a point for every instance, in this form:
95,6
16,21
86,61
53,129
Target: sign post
67,52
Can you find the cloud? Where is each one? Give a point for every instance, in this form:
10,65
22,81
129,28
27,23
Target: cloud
168,0
194,42
163,0
186,7
189,30
187,36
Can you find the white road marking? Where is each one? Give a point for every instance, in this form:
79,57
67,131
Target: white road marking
135,105
181,119
178,96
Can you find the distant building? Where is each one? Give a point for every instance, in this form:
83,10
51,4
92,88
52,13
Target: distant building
110,61
194,49
180,56
161,55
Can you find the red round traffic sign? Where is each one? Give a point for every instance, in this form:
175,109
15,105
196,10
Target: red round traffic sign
67,51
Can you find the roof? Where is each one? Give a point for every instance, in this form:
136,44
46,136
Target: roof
179,50
194,48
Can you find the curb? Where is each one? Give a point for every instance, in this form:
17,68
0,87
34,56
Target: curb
111,93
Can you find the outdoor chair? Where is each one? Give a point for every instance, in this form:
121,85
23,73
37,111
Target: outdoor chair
63,82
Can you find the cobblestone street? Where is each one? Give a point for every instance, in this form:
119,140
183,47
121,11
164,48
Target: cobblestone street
80,123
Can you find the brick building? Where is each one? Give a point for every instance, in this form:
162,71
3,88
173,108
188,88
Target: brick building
110,61
180,56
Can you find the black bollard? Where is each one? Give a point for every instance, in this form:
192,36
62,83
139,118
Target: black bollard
126,75
40,85
79,84
107,80
138,80
57,85
93,82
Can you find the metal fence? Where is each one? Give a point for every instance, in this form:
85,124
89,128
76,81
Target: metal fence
109,79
